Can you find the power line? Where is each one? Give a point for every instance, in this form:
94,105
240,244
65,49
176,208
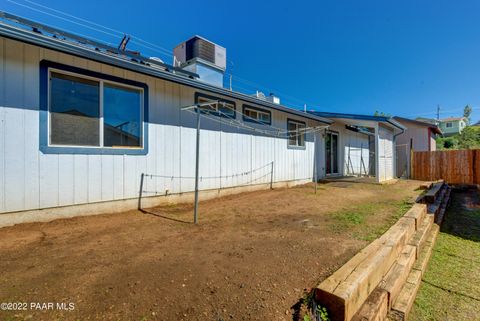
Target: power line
65,19
140,42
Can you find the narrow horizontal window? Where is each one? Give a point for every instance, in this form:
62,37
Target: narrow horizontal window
257,115
296,133
224,108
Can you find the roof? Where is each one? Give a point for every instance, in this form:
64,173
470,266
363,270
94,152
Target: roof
434,128
452,119
20,29
386,119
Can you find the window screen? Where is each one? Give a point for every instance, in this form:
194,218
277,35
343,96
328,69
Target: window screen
296,137
74,111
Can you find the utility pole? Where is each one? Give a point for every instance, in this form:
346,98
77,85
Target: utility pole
438,111
197,107
197,157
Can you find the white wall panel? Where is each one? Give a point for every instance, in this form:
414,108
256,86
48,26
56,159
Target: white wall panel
118,176
108,177
81,178
94,178
66,179
30,179
49,180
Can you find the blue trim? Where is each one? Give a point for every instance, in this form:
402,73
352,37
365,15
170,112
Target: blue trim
304,135
44,130
386,119
203,111
247,119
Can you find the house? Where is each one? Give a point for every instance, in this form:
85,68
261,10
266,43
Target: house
449,126
88,128
419,136
360,145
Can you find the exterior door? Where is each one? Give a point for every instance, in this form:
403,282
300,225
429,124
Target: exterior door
385,143
331,153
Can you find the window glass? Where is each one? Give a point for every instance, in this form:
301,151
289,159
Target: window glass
78,117
222,108
265,117
74,111
292,140
122,116
256,115
297,134
449,124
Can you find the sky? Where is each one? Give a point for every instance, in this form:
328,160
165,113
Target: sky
398,57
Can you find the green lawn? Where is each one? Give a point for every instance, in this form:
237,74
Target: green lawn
450,288
361,221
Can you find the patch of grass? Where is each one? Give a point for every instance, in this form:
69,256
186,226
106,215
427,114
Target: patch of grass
360,220
450,288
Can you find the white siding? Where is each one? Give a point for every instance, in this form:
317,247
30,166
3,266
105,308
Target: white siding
30,179
385,154
356,153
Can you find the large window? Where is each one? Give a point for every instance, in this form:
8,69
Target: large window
256,115
90,112
449,125
296,133
225,108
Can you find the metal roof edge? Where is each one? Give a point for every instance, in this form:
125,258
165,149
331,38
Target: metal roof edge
70,48
420,123
386,119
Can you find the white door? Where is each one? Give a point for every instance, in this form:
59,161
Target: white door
385,146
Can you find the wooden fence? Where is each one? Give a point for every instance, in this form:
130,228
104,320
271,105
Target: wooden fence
453,166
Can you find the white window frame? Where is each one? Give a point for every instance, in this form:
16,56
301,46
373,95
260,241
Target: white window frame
449,124
297,123
258,112
101,108
214,109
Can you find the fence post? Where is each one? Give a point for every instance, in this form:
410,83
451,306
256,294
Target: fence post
141,192
411,175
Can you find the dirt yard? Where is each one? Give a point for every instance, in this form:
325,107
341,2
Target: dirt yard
250,257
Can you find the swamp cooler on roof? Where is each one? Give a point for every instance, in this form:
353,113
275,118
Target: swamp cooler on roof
203,57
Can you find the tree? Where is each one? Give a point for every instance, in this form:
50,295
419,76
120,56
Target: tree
447,142
380,113
467,112
469,138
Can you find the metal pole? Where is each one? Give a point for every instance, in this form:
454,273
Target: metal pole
315,160
197,154
271,177
141,191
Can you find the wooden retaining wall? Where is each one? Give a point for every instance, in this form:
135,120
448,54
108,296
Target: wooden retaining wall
382,280
453,166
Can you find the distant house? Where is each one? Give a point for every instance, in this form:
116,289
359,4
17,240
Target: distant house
453,125
420,136
449,126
